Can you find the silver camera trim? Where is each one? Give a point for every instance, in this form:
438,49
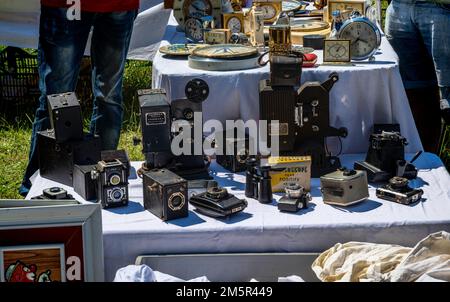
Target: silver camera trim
183,201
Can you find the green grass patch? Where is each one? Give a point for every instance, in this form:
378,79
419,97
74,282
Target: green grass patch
15,131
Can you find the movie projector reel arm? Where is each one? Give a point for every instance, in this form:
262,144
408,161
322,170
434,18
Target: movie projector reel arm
312,107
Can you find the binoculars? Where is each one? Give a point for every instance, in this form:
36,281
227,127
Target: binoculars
258,181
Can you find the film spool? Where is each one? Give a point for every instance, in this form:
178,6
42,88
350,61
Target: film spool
197,90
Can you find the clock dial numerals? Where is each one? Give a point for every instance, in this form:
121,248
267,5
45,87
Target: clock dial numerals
194,30
234,24
337,51
363,38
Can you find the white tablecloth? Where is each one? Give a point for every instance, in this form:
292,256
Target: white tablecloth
366,93
132,231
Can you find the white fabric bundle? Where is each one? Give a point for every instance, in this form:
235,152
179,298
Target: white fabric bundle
143,273
429,260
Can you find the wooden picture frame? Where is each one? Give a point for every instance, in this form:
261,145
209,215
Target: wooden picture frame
42,225
33,263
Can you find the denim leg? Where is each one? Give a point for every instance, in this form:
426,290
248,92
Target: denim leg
433,21
416,64
61,47
110,41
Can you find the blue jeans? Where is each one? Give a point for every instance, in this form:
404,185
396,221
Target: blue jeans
419,31
61,47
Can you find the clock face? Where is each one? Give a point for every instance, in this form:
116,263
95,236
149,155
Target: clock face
363,37
197,8
307,25
268,11
336,51
234,24
225,51
194,30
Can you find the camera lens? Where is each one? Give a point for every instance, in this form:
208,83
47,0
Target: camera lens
116,195
114,179
176,201
188,114
217,192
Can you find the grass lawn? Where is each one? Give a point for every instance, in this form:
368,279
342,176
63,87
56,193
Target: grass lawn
15,131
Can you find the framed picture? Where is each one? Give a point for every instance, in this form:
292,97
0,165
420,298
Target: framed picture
48,241
33,263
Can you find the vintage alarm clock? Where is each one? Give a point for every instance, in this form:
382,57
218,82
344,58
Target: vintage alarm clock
233,21
345,6
193,27
364,35
270,9
184,9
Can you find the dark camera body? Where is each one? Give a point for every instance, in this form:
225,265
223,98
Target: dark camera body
385,149
295,199
289,204
400,193
122,155
217,202
54,193
386,157
285,70
235,153
165,194
155,120
304,122
112,183
83,184
65,116
158,120
57,160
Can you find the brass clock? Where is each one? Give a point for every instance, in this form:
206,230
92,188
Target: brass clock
233,21
345,6
270,9
336,51
217,36
184,9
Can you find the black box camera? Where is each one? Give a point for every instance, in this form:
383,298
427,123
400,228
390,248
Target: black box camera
56,160
65,116
112,183
165,194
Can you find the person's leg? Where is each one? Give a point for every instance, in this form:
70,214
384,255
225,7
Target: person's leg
110,41
433,22
416,69
61,47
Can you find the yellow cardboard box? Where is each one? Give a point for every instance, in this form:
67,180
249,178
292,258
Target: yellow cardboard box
292,169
